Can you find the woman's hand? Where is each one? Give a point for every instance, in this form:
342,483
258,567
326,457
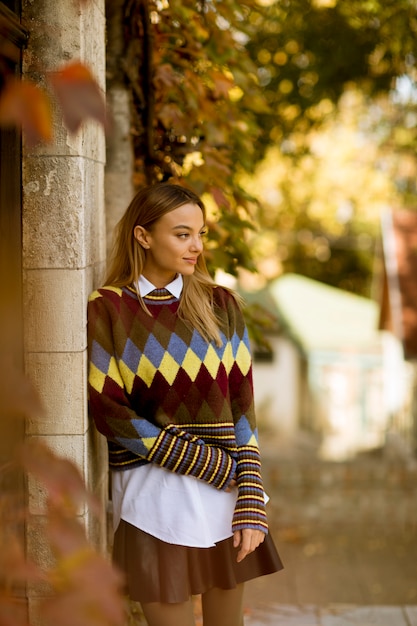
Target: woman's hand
247,540
231,485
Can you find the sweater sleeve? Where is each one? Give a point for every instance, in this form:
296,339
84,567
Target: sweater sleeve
250,506
169,447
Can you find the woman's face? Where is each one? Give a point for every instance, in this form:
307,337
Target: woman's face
173,245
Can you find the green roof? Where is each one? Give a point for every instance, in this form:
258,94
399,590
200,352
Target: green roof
323,317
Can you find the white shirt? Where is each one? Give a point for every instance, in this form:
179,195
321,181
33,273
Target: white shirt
174,508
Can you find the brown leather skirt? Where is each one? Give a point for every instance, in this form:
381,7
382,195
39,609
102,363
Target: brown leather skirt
156,571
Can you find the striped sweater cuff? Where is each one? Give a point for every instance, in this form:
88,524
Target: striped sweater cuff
250,505
182,453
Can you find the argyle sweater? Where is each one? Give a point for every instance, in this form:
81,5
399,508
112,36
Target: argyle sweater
160,393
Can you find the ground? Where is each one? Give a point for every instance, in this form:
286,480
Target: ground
347,534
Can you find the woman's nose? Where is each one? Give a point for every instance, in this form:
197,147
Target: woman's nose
197,244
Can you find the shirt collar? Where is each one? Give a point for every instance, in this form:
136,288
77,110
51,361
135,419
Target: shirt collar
144,286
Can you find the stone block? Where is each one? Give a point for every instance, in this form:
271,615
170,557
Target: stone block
55,34
61,33
98,273
97,218
116,202
96,524
38,550
63,221
60,379
34,610
71,447
54,307
93,43
97,480
97,461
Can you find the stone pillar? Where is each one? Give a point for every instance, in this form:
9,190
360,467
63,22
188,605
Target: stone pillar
64,245
119,189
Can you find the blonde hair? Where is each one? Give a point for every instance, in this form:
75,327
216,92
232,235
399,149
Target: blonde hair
128,258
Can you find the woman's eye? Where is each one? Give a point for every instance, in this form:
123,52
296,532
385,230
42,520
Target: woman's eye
183,235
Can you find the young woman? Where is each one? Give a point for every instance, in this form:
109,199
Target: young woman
170,387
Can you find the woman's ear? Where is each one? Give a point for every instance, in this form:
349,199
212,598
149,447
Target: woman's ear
141,236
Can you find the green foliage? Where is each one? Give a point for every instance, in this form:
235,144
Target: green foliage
196,100
215,84
309,51
320,209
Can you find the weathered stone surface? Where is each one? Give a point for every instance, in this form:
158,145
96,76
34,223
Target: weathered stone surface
64,252
62,32
72,448
55,311
64,398
63,222
119,180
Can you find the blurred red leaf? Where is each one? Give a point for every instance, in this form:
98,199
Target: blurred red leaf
24,104
60,477
91,584
13,612
79,95
14,566
17,395
221,84
76,609
219,197
165,77
66,534
171,116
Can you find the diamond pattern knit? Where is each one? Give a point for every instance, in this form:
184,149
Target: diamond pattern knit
161,393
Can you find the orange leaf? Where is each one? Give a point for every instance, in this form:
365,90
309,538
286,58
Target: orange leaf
24,104
79,95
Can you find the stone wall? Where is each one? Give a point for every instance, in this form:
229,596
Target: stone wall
64,248
370,491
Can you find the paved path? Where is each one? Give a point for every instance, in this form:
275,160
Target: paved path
336,615
347,534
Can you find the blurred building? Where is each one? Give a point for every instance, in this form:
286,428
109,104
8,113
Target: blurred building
398,315
326,372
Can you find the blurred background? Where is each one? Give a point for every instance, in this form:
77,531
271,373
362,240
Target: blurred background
296,121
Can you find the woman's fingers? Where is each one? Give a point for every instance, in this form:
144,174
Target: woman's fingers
232,485
248,540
